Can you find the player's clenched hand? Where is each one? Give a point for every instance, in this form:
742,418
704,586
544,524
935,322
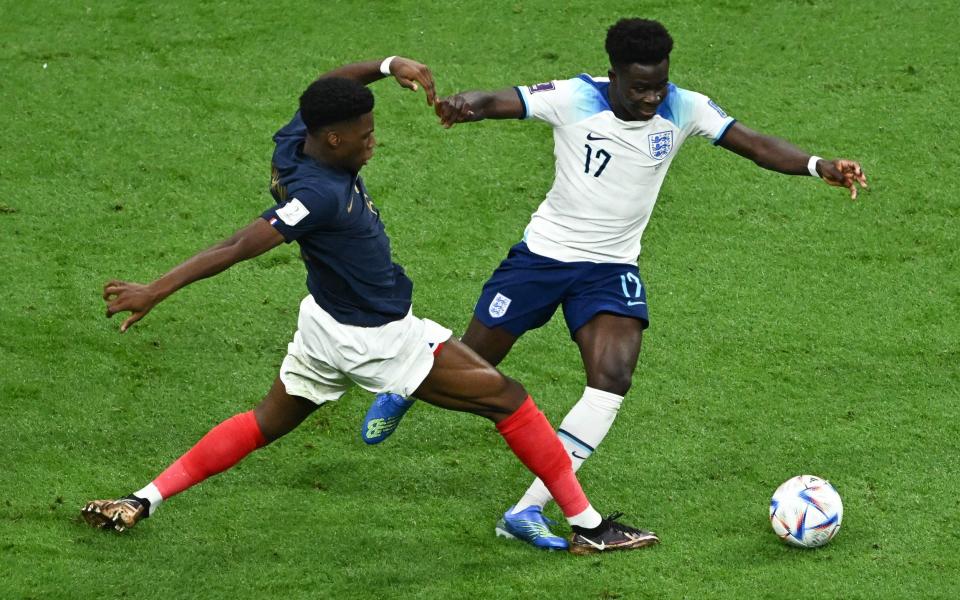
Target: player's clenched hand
453,110
122,296
843,172
409,72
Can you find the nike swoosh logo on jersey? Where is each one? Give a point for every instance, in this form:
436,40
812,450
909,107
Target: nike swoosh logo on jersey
574,453
601,546
632,303
594,139
356,188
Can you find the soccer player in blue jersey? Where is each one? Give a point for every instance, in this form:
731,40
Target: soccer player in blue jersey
614,140
355,325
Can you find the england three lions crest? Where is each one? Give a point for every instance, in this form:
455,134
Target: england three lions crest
661,143
499,306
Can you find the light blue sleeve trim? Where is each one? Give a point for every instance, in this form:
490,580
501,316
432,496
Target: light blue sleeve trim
723,131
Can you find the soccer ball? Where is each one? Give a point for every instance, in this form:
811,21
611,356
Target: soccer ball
806,511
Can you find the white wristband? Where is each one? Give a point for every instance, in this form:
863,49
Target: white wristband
812,166
385,65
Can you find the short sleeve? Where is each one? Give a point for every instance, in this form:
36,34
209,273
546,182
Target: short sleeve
707,119
552,101
304,212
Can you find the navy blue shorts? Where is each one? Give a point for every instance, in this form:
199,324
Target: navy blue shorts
526,289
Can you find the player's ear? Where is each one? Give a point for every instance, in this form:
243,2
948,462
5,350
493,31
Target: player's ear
333,138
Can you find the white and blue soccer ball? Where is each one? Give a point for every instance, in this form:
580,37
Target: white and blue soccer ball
806,511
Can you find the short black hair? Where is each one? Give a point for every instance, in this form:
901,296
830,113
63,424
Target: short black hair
639,41
332,100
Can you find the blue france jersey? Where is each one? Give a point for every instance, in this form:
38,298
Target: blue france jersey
342,240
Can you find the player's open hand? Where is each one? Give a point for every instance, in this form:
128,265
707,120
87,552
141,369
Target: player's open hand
122,296
843,172
454,109
409,73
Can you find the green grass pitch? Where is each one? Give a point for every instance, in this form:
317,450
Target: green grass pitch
793,331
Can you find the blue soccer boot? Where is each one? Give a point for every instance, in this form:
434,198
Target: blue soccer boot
383,417
532,527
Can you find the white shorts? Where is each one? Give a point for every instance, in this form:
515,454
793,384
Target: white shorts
327,357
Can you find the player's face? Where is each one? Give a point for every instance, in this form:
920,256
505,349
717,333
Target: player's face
637,90
356,141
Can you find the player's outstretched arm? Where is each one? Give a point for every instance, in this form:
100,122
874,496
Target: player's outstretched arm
477,106
139,299
779,155
407,72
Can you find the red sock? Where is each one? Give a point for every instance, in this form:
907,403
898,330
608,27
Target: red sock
224,446
533,440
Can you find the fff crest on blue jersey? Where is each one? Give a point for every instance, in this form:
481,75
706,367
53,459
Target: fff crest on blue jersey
661,143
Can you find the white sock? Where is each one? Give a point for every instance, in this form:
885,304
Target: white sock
588,519
581,431
151,493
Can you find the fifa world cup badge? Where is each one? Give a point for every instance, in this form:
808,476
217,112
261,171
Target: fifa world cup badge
541,87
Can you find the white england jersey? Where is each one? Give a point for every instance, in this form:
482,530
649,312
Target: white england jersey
608,171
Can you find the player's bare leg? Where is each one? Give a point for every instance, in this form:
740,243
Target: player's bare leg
279,413
530,526
461,380
610,346
384,415
224,446
491,343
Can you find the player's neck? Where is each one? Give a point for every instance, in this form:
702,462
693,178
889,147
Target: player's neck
312,149
316,151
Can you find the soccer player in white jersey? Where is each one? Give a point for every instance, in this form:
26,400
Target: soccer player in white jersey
614,140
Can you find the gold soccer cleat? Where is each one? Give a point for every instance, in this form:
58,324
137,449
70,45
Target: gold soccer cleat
113,514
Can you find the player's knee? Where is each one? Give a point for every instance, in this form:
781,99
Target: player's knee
278,418
504,396
513,392
612,381
271,428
